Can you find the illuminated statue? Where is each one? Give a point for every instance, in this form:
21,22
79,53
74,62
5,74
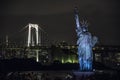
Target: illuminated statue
85,43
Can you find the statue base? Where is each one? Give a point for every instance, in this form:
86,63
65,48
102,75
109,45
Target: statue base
83,75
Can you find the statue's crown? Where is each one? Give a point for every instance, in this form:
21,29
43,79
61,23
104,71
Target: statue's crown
84,23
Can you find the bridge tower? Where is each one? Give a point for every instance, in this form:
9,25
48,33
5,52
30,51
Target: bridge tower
30,37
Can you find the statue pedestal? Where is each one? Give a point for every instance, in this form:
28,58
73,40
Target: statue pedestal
83,75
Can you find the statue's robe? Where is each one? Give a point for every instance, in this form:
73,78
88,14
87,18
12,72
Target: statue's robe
85,53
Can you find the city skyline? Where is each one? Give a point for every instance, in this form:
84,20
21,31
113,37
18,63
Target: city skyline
57,18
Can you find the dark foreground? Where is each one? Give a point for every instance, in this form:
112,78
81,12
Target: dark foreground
59,75
27,69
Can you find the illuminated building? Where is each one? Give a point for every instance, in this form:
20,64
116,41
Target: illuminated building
107,54
64,53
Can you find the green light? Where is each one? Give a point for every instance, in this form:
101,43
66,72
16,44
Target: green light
63,60
69,60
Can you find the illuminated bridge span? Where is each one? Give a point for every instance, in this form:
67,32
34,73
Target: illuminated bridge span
34,37
20,43
30,35
34,26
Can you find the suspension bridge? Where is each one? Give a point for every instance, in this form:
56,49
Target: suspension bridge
29,42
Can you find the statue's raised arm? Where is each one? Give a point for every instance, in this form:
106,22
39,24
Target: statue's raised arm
78,26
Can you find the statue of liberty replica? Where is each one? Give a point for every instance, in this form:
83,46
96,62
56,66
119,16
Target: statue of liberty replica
85,44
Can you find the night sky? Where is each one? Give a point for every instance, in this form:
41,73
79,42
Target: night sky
56,17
